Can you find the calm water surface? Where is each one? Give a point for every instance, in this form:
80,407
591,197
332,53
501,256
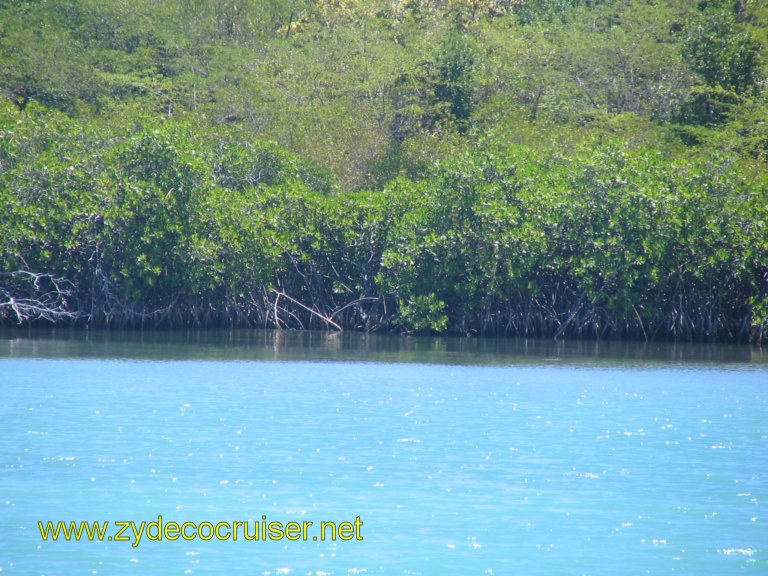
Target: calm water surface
459,456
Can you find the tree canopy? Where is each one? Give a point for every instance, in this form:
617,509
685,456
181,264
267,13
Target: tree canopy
575,168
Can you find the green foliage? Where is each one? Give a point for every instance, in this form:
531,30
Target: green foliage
39,62
724,52
243,165
455,66
709,106
423,313
610,244
549,10
580,168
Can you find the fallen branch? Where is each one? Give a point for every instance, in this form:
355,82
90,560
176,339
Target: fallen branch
308,309
570,319
354,303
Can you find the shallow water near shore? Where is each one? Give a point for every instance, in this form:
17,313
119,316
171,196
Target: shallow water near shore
459,456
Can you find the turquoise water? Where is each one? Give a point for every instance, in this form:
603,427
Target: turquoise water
458,457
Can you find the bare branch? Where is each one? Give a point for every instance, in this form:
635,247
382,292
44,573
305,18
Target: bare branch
26,296
308,309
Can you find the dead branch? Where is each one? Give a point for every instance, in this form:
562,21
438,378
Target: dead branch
308,309
26,296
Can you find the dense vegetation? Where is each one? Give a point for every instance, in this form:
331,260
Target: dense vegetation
554,168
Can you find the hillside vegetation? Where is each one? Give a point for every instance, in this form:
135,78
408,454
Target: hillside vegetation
566,168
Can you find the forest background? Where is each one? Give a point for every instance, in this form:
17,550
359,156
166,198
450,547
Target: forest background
566,168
